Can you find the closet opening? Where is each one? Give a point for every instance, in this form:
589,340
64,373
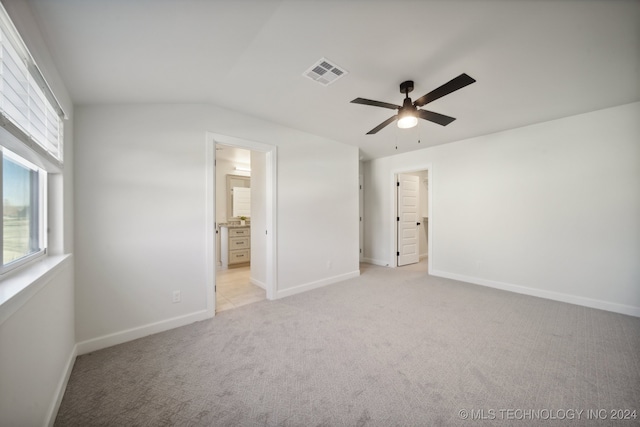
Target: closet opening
411,219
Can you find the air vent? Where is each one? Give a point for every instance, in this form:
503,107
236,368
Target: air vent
325,72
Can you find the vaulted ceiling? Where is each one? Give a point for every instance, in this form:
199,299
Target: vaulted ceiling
533,60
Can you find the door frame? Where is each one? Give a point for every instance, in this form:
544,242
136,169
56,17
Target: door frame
393,259
210,212
361,214
403,208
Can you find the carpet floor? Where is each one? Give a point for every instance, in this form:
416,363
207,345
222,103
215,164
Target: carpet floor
393,347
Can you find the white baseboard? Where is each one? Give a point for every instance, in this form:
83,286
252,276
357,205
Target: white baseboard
139,332
317,284
556,296
376,262
62,386
258,283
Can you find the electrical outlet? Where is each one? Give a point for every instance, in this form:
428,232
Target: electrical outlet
176,296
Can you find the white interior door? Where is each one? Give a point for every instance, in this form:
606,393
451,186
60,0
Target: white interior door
361,192
408,202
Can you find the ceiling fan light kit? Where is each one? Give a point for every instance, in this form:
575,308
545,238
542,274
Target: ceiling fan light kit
409,112
407,120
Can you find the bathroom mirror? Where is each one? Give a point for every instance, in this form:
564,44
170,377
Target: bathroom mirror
242,201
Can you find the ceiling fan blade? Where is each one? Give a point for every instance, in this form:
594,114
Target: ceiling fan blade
451,86
375,103
383,124
440,119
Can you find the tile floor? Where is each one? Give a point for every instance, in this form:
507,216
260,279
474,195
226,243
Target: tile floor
234,288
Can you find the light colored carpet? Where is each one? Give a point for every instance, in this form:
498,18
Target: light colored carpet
393,347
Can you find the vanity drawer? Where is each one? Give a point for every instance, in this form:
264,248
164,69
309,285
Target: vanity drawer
238,256
235,245
238,243
239,232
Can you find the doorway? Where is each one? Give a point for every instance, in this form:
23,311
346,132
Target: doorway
232,162
238,204
411,230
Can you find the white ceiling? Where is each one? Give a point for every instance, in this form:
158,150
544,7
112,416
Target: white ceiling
533,60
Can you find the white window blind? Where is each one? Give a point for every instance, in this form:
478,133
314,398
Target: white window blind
25,98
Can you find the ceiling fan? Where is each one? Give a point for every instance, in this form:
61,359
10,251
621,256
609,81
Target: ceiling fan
409,112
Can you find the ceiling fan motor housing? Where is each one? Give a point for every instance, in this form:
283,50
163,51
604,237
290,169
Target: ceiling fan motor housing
406,87
407,107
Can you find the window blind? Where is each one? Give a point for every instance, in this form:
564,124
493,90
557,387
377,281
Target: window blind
25,102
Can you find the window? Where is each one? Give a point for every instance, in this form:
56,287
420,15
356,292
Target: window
23,213
31,141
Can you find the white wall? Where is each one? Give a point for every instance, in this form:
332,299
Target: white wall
140,212
37,341
258,218
317,214
37,353
551,209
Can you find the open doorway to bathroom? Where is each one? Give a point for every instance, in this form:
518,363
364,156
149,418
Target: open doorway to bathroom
240,204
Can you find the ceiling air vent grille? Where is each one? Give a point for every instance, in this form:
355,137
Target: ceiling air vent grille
325,72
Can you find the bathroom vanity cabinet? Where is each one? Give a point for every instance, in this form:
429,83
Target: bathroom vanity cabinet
235,245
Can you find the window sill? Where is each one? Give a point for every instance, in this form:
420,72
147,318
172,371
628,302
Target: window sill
19,286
